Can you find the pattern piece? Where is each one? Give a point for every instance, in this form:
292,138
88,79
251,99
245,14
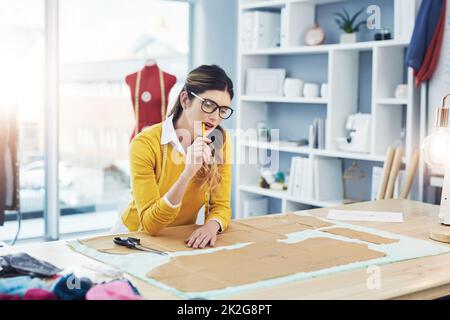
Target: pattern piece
172,239
263,261
286,223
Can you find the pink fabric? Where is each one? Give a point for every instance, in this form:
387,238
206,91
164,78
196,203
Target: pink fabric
115,290
39,294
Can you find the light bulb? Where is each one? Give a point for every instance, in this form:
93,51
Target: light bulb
436,148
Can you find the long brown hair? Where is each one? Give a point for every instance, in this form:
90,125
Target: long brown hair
199,80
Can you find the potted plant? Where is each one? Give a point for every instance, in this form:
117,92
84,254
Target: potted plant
348,25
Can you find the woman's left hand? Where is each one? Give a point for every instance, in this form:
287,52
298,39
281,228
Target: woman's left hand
206,234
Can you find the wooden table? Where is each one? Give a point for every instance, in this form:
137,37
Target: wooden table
422,278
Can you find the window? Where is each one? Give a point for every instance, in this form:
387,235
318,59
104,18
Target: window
22,26
100,43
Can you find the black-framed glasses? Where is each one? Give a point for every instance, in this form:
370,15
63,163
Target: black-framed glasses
210,106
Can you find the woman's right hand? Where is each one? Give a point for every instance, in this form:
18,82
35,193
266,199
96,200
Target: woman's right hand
198,153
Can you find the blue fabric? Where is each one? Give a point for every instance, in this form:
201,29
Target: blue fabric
70,287
20,285
426,23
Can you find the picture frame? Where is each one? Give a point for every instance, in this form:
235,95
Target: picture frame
265,82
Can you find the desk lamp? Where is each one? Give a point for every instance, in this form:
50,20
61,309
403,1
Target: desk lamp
436,152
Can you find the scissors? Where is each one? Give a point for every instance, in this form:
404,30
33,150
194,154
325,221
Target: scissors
135,243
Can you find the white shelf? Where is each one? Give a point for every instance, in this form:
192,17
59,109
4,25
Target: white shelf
309,151
284,99
276,147
339,65
349,155
284,195
393,101
325,48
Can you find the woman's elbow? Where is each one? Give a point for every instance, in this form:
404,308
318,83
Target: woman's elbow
151,227
151,230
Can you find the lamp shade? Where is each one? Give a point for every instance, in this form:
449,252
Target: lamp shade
436,148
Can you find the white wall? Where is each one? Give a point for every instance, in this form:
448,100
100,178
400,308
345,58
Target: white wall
214,27
215,36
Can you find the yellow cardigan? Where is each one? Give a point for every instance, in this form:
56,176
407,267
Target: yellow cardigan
148,210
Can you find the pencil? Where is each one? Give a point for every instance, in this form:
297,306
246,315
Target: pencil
207,192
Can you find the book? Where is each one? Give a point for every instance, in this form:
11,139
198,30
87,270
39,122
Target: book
321,133
312,136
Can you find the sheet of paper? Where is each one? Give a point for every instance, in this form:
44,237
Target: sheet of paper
363,236
353,215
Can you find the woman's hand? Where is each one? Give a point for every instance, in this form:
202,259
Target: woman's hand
197,154
206,234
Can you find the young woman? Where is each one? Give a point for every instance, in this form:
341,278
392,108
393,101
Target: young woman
184,163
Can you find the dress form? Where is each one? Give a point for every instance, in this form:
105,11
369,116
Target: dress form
149,88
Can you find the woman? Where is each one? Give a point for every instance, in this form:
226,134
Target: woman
176,169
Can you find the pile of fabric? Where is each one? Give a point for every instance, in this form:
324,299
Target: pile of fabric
23,277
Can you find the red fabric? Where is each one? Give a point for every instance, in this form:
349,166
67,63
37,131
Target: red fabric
434,49
39,294
149,112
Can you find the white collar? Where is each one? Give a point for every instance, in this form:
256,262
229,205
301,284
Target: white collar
168,135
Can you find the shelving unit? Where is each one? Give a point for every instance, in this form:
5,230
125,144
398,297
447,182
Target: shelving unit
277,146
343,67
285,197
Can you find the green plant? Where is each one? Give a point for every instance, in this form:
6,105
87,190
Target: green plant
347,23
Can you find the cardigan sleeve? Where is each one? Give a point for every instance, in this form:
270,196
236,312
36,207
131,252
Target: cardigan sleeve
155,213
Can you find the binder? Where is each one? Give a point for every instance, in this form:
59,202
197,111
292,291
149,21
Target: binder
328,179
266,29
284,41
298,177
309,186
292,175
247,30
